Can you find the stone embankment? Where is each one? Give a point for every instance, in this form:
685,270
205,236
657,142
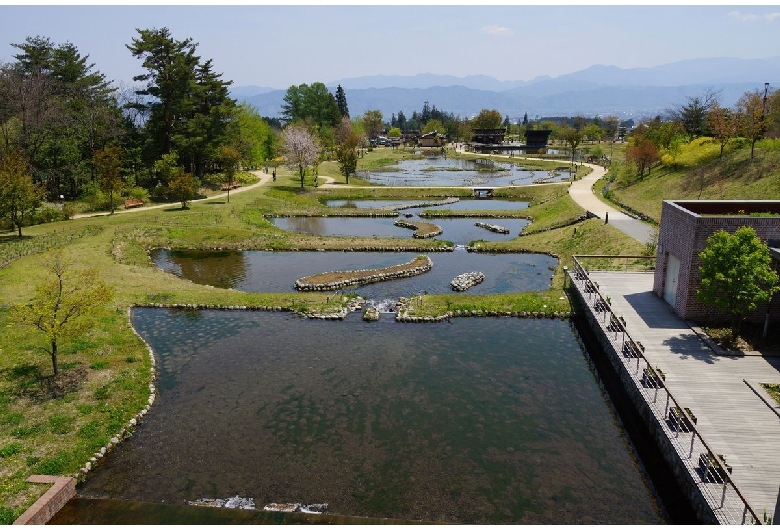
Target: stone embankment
332,281
493,228
467,280
421,230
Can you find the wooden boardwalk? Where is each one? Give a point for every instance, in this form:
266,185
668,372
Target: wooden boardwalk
731,417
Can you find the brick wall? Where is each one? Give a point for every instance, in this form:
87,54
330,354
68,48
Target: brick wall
63,489
684,235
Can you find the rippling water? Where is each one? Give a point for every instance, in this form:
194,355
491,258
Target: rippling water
478,421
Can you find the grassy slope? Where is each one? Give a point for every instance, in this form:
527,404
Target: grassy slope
706,176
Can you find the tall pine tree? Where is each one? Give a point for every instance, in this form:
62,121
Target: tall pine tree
341,101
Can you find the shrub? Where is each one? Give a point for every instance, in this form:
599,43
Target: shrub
137,192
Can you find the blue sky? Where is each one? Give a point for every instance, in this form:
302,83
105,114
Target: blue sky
279,46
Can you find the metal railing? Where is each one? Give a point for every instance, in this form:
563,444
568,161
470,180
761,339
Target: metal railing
705,466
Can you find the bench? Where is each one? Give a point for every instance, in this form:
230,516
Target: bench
226,187
133,203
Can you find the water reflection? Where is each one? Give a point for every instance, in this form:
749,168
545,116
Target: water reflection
274,272
459,172
479,421
225,269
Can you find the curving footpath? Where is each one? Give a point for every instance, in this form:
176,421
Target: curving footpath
264,178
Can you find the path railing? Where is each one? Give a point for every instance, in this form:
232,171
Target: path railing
706,467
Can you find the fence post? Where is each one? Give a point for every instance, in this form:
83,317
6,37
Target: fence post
693,438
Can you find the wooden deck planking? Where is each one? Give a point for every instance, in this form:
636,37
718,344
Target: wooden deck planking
733,420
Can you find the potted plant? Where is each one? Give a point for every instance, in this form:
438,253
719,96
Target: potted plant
711,470
653,377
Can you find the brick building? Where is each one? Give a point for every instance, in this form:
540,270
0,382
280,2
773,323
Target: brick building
685,227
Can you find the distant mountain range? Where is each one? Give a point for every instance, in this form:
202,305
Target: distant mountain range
597,90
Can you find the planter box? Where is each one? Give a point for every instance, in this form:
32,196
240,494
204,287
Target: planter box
710,470
631,350
653,378
678,422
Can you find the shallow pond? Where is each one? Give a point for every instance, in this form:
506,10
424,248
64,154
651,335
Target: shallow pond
460,231
408,206
273,272
458,172
478,421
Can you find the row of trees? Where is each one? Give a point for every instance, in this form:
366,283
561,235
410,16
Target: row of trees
78,135
756,115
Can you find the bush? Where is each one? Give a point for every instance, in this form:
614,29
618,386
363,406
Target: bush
137,192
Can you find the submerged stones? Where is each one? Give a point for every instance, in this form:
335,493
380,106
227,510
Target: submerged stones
466,280
371,314
493,228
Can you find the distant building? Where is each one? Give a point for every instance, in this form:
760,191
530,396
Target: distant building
537,139
488,136
685,227
432,139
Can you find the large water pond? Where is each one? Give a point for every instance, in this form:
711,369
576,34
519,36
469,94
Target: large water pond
273,272
460,231
458,172
477,421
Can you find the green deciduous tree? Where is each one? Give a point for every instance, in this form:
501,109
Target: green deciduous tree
347,155
63,303
19,196
372,123
312,102
108,162
182,188
753,119
251,135
229,159
487,119
723,125
736,274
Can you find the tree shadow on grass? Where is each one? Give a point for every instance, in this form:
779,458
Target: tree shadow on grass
32,382
10,237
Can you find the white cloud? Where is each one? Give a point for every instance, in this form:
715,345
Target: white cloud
738,16
497,30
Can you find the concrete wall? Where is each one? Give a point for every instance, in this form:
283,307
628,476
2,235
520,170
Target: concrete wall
63,489
683,233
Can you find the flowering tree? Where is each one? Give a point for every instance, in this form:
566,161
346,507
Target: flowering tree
300,147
